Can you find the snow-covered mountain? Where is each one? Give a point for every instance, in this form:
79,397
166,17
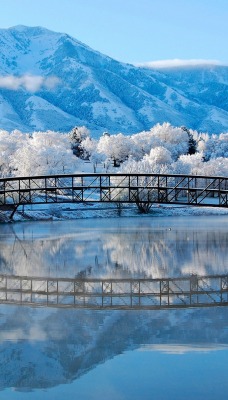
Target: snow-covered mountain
52,81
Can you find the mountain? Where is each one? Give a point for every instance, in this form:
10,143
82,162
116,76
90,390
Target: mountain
50,80
205,85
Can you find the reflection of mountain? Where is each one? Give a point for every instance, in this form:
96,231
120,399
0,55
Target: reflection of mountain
151,247
36,352
42,347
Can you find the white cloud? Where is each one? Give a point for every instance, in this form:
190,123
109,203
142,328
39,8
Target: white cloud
32,83
177,63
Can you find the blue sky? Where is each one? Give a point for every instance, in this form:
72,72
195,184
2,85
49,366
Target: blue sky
132,30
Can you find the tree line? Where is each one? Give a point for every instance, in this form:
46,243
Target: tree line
162,149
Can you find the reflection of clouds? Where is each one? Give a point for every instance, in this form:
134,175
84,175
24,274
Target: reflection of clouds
140,251
145,253
80,249
183,349
35,333
164,253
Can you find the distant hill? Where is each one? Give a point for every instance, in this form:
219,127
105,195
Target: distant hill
50,80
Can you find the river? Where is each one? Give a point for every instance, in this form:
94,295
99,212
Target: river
53,353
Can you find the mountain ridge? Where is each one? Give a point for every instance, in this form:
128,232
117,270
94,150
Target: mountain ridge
95,90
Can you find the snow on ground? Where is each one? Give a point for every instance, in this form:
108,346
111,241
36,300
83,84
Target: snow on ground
82,210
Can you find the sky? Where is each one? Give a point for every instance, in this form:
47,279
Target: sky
133,31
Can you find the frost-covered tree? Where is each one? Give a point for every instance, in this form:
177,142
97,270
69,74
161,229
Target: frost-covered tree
9,143
145,196
44,153
215,167
192,143
50,139
176,140
76,136
189,164
216,146
145,166
116,147
162,149
143,143
89,147
195,165
159,155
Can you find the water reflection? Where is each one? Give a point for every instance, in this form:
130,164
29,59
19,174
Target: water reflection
153,248
42,348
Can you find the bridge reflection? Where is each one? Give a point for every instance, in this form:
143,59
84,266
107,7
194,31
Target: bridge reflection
138,294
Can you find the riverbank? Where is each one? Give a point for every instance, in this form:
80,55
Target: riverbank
80,211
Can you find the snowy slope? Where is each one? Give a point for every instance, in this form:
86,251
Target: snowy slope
56,82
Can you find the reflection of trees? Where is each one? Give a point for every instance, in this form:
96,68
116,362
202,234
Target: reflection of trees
157,253
41,354
141,251
62,255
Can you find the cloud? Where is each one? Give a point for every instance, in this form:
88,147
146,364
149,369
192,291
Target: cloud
32,83
175,63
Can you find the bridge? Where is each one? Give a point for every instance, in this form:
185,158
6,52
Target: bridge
141,189
128,294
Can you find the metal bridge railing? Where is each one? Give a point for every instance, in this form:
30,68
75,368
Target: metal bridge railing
125,188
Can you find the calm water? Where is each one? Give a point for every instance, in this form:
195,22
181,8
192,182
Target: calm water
49,353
